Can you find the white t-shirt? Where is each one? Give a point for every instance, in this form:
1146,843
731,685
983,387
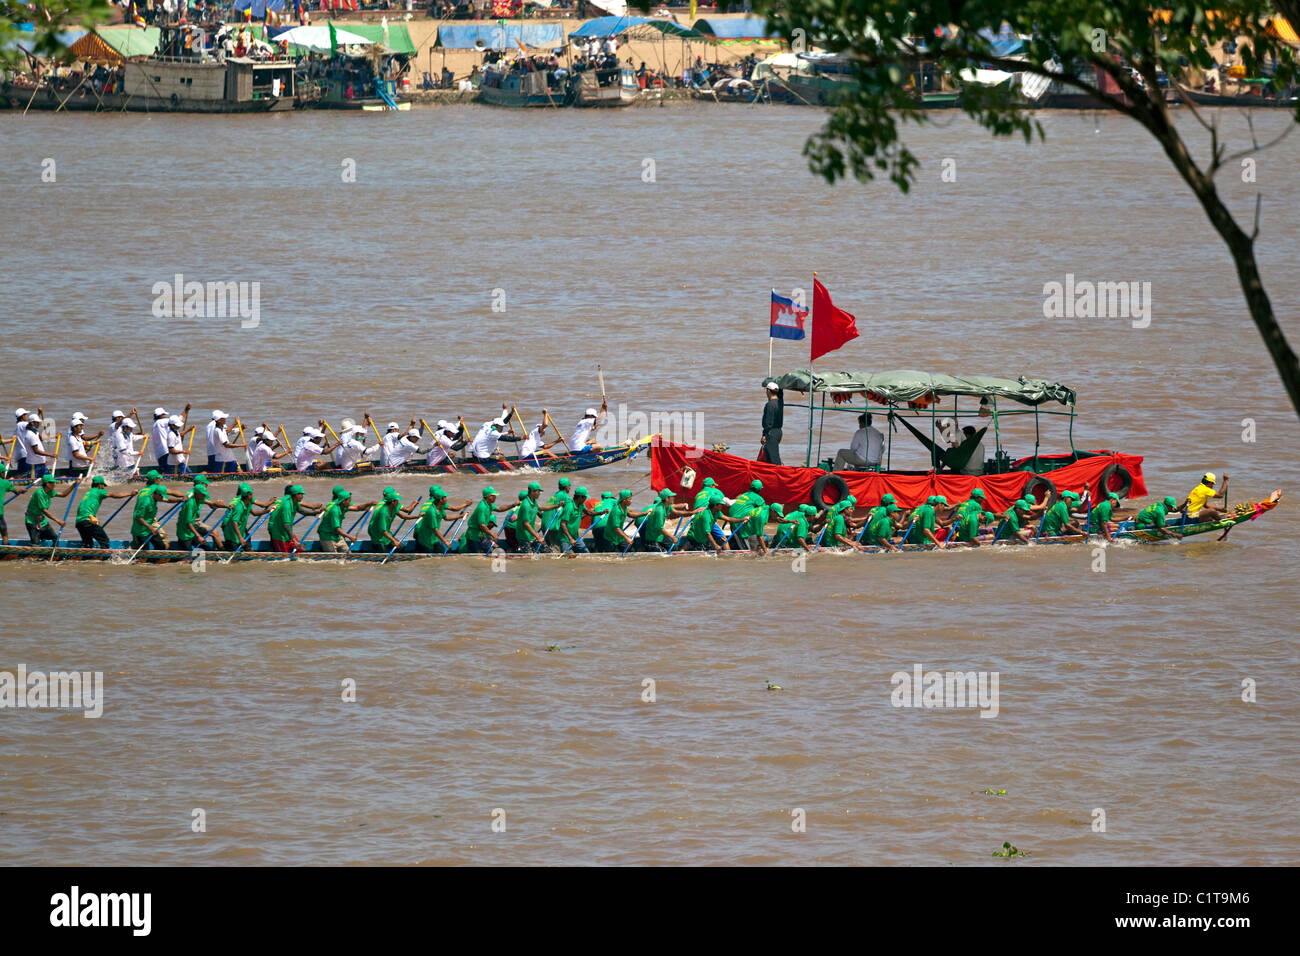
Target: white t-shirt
581,436
158,439
304,452
217,438
975,464
20,436
76,444
35,449
175,448
875,445
403,450
352,451
532,444
124,451
389,450
485,442
259,456
441,449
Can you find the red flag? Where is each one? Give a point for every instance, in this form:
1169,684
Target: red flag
831,327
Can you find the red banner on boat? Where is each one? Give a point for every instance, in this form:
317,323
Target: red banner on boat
793,485
831,327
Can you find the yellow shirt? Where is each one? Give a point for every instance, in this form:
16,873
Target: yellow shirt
1198,496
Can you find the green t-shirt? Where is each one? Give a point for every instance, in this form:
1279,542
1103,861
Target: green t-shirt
570,516
615,518
236,516
331,522
879,527
836,525
968,525
1152,516
146,510
37,504
525,516
381,519
1055,519
6,486
431,517
701,527
922,521
482,516
280,524
1101,515
794,527
653,529
748,506
89,506
1010,524
189,513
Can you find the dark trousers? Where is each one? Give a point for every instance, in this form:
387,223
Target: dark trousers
37,535
773,446
92,535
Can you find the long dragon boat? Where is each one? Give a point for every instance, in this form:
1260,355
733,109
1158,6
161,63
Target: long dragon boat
573,461
918,401
121,551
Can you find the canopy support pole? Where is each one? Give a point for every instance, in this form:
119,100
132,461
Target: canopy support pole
1035,438
997,436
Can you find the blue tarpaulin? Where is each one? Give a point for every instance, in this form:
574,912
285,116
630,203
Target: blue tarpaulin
1004,43
257,6
734,28
462,36
608,26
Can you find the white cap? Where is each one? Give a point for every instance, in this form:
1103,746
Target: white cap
591,413
413,433
217,413
392,426
499,422
128,423
258,430
349,424
442,423
117,413
34,420
159,412
19,412
772,387
77,418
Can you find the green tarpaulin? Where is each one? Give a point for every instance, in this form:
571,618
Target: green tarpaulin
398,40
908,386
130,41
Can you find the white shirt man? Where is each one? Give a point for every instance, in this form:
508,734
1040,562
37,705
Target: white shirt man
124,435
485,442
35,447
260,452
864,450
76,446
390,446
305,449
581,436
406,447
975,463
533,443
611,45
218,453
352,449
19,449
158,435
175,446
444,440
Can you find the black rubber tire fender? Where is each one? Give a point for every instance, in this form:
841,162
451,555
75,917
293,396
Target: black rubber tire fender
1034,483
1112,472
817,499
176,100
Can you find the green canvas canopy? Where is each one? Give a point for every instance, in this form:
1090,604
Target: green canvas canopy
399,38
909,386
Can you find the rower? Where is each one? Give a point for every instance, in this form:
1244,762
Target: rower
18,450
122,438
311,446
432,515
1197,505
599,515
396,447
145,530
880,528
652,534
78,461
280,524
330,529
381,519
481,532
580,437
221,450
483,449
1152,517
751,510
190,531
38,515
41,461
566,531
923,522
234,524
1056,522
262,453
791,529
839,527
968,524
612,537
352,449
976,502
508,529
705,494
773,420
176,432
445,441
527,536
535,443
1102,515
7,487
700,535
87,521
1013,519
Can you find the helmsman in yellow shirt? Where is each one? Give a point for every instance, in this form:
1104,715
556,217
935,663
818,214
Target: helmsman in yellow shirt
1198,505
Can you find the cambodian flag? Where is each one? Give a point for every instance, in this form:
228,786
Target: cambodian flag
787,318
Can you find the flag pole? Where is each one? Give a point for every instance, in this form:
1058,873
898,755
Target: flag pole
807,458
769,354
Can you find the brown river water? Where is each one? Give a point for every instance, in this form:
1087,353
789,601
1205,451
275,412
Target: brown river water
521,690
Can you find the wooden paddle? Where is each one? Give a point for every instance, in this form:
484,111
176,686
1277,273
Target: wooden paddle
140,457
149,536
248,537
524,428
603,399
559,434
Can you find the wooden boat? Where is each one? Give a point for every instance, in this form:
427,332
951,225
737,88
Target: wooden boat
519,90
604,88
1252,100
1247,511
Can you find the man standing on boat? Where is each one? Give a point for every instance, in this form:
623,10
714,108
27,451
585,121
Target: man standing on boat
158,439
580,437
42,461
18,451
221,450
1197,505
773,421
38,515
122,435
87,524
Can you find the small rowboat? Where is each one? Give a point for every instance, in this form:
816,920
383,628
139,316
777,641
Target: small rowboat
1247,511
581,461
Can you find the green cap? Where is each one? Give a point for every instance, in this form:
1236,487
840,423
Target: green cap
665,493
808,509
940,500
296,490
244,488
1072,495
159,489
200,491
342,494
534,486
98,481
339,491
625,493
390,494
435,491
709,482
755,485
199,478
1112,496
565,483
580,492
778,510
716,497
1024,503
988,516
523,493
489,490
977,493
890,509
48,479
887,499
1170,501
152,475
606,494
